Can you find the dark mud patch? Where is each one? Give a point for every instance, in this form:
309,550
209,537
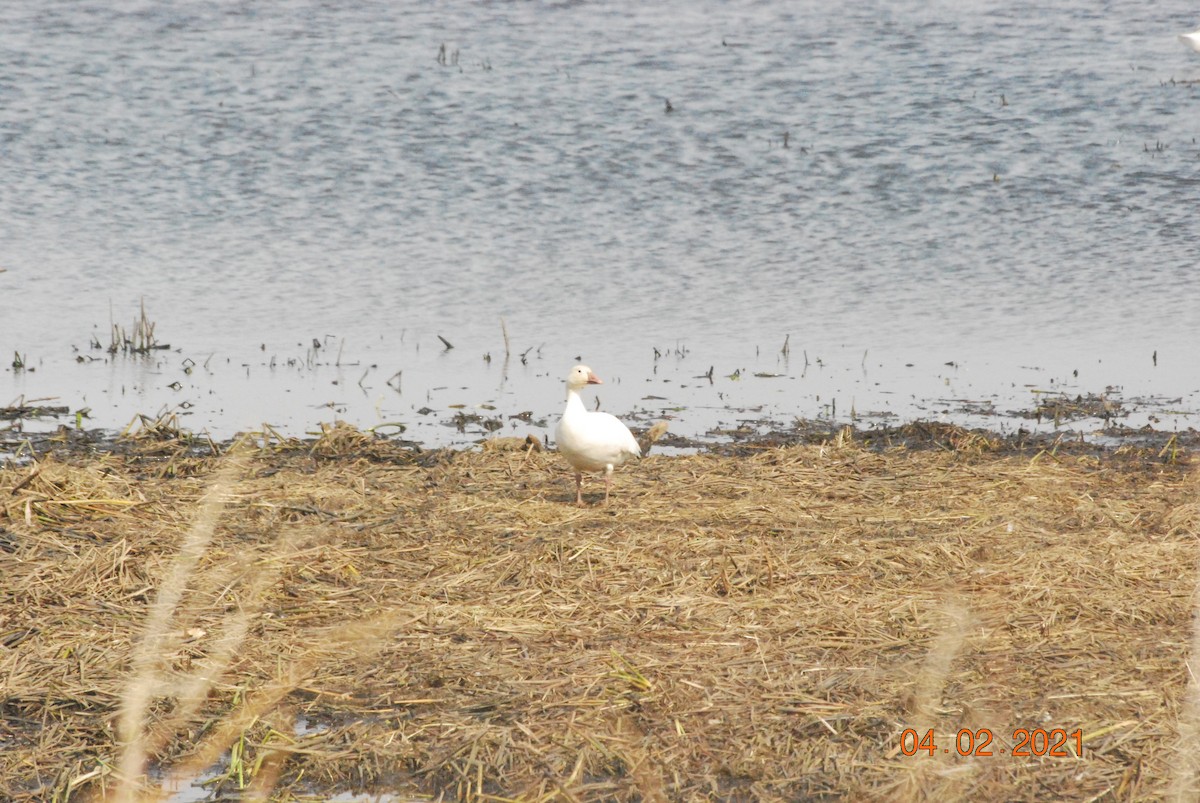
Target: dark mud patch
158,444
929,435
1079,423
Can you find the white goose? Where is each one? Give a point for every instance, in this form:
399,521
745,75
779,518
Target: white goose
591,441
1192,40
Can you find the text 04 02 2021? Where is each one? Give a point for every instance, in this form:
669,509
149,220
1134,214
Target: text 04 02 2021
1026,742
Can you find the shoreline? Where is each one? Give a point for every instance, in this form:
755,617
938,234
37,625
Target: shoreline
750,437
459,397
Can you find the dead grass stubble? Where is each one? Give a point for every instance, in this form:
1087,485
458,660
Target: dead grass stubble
752,628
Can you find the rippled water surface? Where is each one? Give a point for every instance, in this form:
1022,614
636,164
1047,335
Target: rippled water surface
932,202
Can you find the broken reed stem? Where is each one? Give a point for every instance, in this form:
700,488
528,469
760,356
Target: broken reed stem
925,781
344,641
1184,780
143,331
263,783
194,691
927,694
504,331
147,653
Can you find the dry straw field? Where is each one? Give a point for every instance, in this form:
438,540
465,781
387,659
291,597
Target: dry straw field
288,620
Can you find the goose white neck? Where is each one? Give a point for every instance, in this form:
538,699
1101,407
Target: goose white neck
573,398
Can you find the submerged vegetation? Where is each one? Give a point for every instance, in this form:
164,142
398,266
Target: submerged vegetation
283,618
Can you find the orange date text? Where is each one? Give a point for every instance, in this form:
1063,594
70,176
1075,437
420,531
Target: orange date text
1026,743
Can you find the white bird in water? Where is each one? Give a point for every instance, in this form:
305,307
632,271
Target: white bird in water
1192,40
591,441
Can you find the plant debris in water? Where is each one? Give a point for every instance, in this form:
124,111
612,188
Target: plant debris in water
352,613
1059,407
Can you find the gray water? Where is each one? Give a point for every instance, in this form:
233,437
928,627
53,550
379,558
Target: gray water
931,202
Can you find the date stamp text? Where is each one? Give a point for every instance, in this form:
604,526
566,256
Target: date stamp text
1026,743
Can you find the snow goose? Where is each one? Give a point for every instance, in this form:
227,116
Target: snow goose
591,441
1192,40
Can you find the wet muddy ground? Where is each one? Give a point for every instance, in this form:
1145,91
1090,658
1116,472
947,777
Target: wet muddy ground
58,429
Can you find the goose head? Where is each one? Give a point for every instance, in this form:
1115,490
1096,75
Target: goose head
581,375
